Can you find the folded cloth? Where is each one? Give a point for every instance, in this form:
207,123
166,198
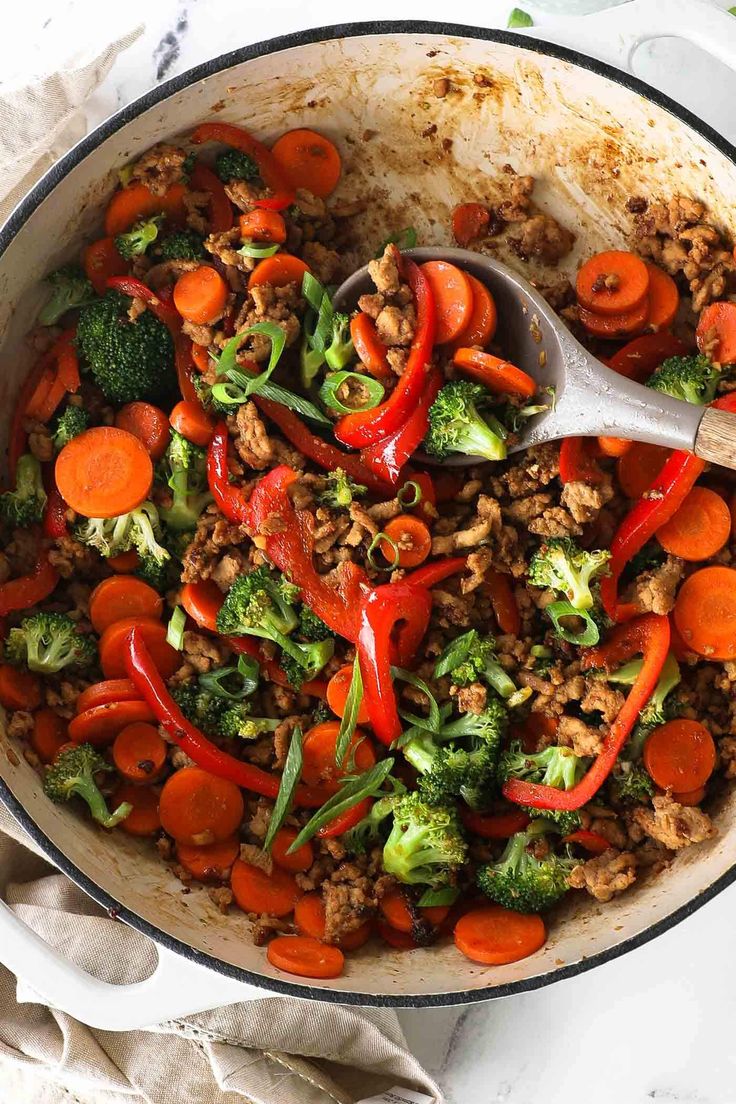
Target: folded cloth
280,1052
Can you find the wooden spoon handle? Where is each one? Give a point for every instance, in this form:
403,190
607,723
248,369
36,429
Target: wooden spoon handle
716,438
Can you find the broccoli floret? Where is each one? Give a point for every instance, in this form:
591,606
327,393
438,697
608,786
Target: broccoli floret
72,422
560,565
235,165
340,351
237,723
208,400
70,289
182,245
631,784
47,642
136,241
311,627
340,490
128,360
470,658
691,378
369,831
554,766
425,845
312,658
456,424
25,505
203,708
186,468
164,574
73,775
519,880
139,529
321,713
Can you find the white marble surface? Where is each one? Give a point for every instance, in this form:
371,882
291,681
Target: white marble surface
657,1024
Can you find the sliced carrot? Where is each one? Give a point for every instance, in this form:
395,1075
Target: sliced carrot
690,797
453,298
469,222
678,647
101,261
638,468
318,754
426,507
664,299
369,347
402,941
640,357
699,529
100,724
129,205
309,916
483,318
39,397
305,957
298,861
536,732
256,891
122,596
125,562
394,907
148,423
19,689
104,472
496,936
200,295
503,600
495,826
202,601
68,369
500,376
612,282
112,646
614,326
143,819
278,271
614,446
337,692
49,734
705,613
717,332
111,690
200,808
262,226
412,539
139,752
680,755
193,422
211,863
201,357
309,160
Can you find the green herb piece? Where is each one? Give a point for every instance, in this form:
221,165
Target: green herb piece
519,18
352,791
349,721
175,631
289,782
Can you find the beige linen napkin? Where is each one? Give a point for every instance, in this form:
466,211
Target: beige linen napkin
280,1051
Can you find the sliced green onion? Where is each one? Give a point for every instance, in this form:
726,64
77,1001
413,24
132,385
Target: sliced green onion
227,359
250,249
433,722
310,360
541,651
215,681
312,290
250,671
432,898
410,488
289,781
588,635
352,791
404,239
375,544
333,383
453,654
175,630
519,18
294,402
519,697
323,329
349,721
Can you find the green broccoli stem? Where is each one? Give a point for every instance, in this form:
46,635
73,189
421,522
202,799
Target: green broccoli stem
497,678
420,751
89,792
481,438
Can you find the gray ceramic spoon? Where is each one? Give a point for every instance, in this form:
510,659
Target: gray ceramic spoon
590,399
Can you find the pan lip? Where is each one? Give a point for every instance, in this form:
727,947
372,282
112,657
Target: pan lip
15,222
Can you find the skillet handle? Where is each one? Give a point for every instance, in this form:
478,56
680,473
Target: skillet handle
176,988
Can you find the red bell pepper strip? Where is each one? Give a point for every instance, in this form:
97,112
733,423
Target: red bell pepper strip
387,458
494,826
269,169
593,842
657,506
68,370
228,496
54,515
431,574
642,356
577,463
366,427
27,590
649,635
381,611
345,820
203,179
503,600
320,452
152,688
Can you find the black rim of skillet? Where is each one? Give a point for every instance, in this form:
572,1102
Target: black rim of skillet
20,216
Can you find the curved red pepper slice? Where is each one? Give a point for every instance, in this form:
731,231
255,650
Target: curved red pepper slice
649,635
27,590
54,516
577,463
494,826
593,842
345,820
431,574
369,426
269,169
387,458
228,496
203,179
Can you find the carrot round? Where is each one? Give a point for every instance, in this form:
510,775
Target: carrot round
193,422
483,318
211,863
309,160
19,689
125,562
129,205
680,755
309,916
639,466
100,724
613,326
537,731
201,357
101,260
111,690
412,539
318,754
614,446
503,601
612,282
200,808
104,472
139,752
166,658
143,819
262,226
690,797
122,596
453,298
337,692
494,373
305,957
699,529
469,222
496,936
202,601
298,861
717,332
49,734
664,299
402,941
394,907
705,613
200,295
278,271
369,347
148,423
256,891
